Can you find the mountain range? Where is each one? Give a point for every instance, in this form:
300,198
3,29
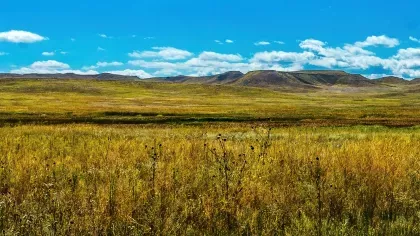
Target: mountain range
308,79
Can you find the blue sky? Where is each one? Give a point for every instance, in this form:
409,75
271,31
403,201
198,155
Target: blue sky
166,38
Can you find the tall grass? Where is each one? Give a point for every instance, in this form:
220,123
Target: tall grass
174,180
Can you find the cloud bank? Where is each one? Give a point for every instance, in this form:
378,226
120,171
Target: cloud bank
19,36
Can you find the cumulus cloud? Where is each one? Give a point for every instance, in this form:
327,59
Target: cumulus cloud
50,64
167,72
229,41
262,43
279,42
168,61
218,56
280,56
155,64
405,62
408,53
19,36
382,40
218,41
351,56
209,63
3,53
105,64
166,53
100,64
312,44
50,67
139,73
48,54
100,49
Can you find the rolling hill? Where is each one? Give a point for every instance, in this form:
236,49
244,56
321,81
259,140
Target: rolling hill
277,79
299,80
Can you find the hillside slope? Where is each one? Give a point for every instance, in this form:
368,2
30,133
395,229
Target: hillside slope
277,79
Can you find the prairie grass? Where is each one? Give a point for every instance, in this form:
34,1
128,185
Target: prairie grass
89,101
210,180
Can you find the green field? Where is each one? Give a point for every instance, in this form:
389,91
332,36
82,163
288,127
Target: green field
85,157
107,102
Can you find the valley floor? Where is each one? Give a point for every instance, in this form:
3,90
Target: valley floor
127,102
135,158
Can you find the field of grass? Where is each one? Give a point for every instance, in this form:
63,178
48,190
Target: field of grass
106,102
171,180
136,158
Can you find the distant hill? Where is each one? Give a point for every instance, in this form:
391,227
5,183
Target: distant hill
415,81
103,76
391,80
307,79
225,78
271,78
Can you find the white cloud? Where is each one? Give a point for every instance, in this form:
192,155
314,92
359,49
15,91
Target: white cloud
26,70
64,53
377,76
209,63
139,73
408,53
50,67
100,49
229,41
50,64
312,44
100,64
280,56
349,56
105,64
169,61
167,72
279,42
3,53
208,56
149,38
218,41
48,54
166,53
382,40
414,39
19,36
73,39
262,43
314,52
104,36
153,64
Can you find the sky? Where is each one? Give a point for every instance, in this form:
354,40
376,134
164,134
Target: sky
161,38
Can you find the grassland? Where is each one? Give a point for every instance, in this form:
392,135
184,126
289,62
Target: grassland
86,179
106,102
135,158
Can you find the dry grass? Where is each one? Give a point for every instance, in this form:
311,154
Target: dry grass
174,180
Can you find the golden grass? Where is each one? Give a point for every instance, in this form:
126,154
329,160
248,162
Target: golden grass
220,179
